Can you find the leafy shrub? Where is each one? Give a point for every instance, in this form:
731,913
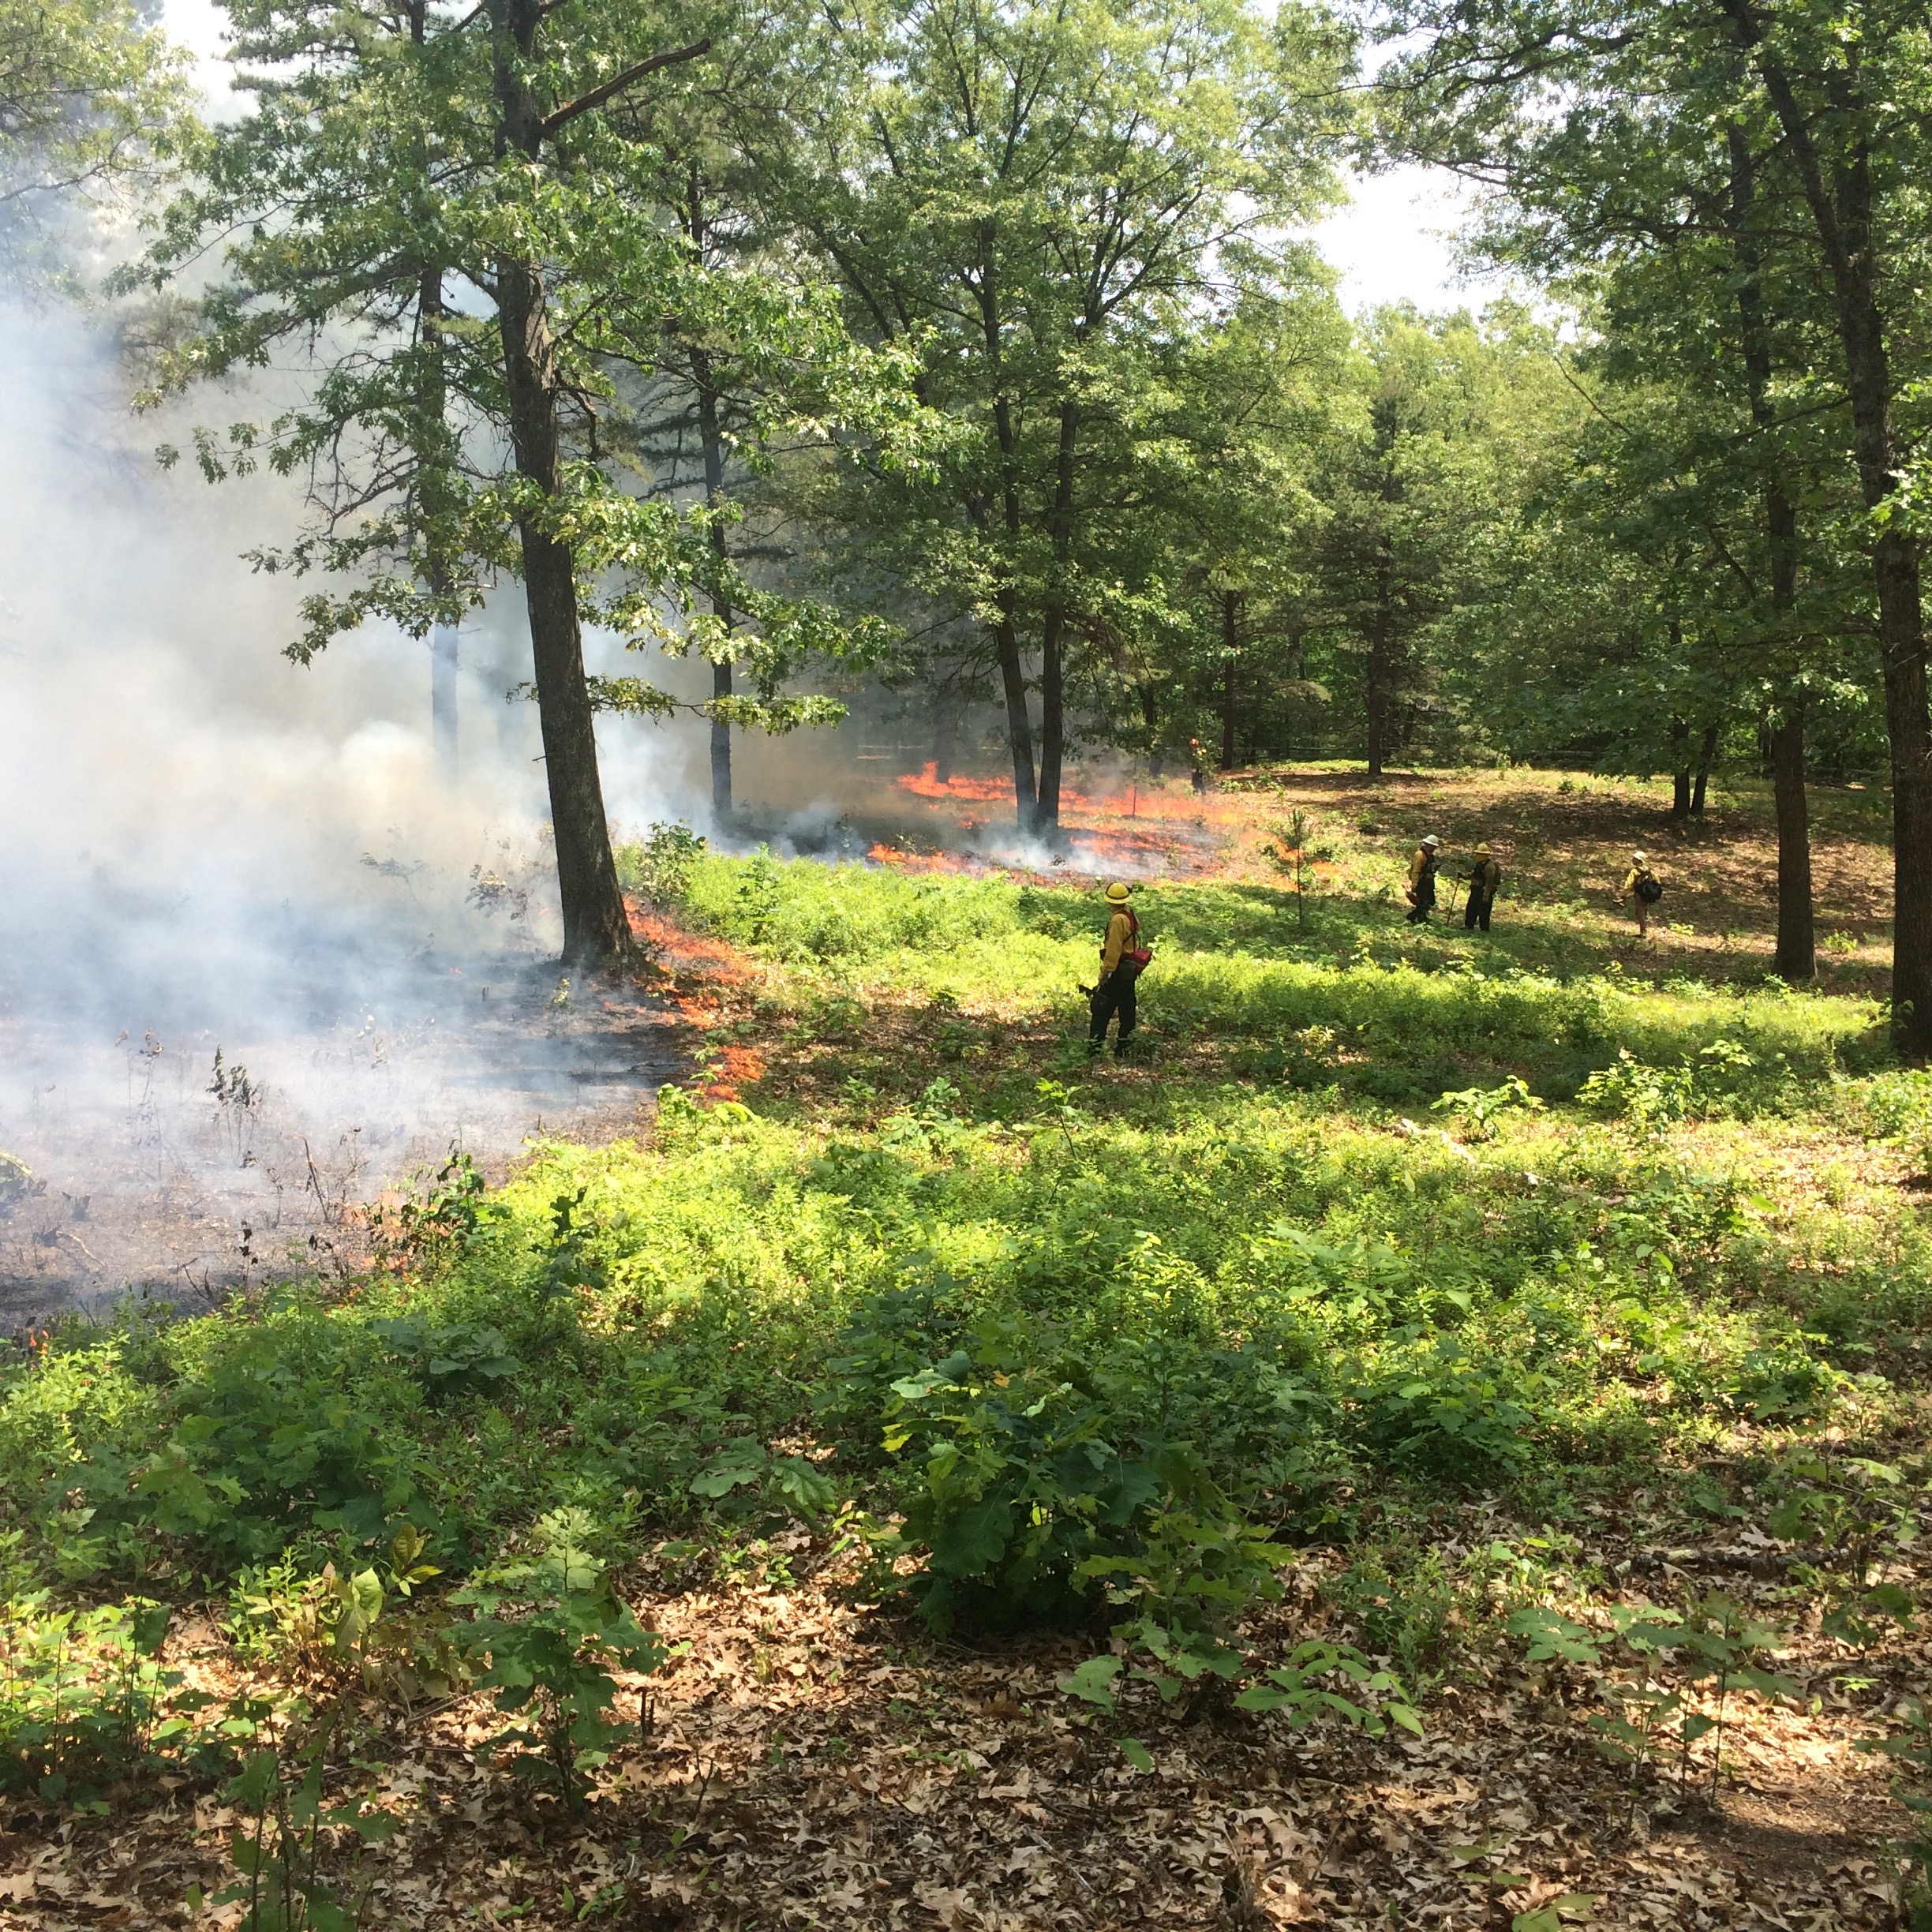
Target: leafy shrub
448,1356
1480,1111
1407,1602
1721,1077
1910,1859
1302,1684
1858,1510
1651,1662
288,1821
279,1615
1783,1377
1016,1485
432,1223
81,1694
549,1660
1442,1414
1897,1109
661,867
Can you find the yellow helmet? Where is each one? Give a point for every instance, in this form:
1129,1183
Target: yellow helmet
1116,893
1482,851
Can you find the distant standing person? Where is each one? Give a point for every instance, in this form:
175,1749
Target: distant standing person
1643,889
1484,877
1121,957
1200,768
1422,893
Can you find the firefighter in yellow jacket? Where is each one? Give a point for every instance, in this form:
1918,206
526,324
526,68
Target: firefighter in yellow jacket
1641,887
1121,957
1421,892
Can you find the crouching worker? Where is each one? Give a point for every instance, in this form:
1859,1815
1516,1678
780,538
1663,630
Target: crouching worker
1121,957
1484,877
1421,892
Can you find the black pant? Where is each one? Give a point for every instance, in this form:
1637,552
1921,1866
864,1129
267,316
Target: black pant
1114,994
1421,909
1476,913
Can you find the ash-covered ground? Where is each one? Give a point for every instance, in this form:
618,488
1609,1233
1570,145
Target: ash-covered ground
138,1162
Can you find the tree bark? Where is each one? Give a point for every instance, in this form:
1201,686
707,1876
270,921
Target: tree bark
1706,752
1796,956
1378,676
597,930
1019,731
1053,625
1839,195
445,640
432,492
1680,745
1230,635
1005,630
712,443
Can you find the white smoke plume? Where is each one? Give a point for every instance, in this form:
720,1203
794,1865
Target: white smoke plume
206,846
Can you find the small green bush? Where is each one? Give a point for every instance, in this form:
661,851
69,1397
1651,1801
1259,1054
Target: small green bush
82,1695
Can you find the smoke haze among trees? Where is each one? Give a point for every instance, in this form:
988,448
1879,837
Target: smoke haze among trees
982,355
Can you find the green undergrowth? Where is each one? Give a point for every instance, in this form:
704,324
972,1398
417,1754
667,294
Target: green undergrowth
1353,999
1351,1242
1318,1309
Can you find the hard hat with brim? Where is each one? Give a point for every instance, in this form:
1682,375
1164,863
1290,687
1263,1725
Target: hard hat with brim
1482,851
1637,858
1116,893
1429,838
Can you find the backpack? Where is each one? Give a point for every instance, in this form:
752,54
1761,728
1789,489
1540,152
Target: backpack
1134,959
1650,889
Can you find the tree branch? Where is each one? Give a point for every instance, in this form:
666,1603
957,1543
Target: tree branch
672,57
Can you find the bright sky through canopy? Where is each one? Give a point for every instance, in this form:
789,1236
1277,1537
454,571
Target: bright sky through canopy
1394,242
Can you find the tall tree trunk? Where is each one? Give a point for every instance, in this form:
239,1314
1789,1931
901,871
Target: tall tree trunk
433,480
1840,198
1005,630
1706,752
1379,668
597,930
1680,744
1053,625
434,493
1019,731
1230,638
712,443
1796,957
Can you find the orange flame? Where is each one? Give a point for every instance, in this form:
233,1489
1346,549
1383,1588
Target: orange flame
736,1066
929,785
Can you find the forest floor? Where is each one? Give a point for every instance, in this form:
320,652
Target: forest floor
1537,1318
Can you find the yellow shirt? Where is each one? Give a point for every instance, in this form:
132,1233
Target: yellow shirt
1119,934
1417,865
1630,881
